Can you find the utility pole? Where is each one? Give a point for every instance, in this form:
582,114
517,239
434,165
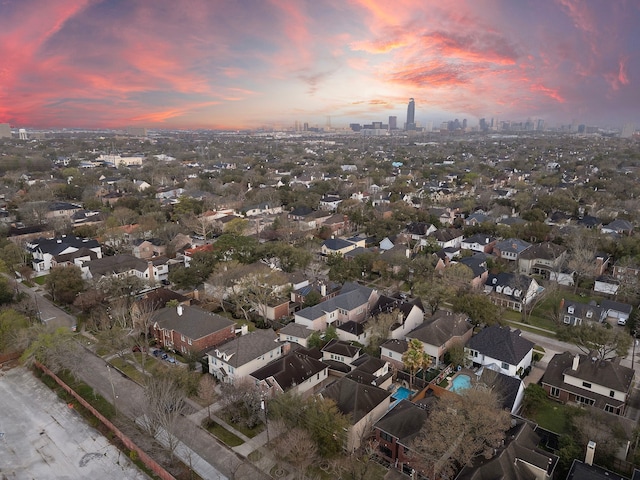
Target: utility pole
263,406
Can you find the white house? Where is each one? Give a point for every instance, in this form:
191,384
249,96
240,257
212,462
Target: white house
502,348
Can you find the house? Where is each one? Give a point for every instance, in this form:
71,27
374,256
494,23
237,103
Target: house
263,209
371,371
295,333
519,458
340,355
543,259
187,328
352,304
338,224
587,380
152,271
43,250
238,358
299,372
478,266
619,227
479,242
575,313
510,249
410,313
363,405
337,246
476,219
330,201
509,390
153,247
440,332
395,432
512,290
507,349
419,231
392,351
618,311
448,237
586,470
61,209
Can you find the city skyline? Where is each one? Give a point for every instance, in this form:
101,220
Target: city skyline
246,64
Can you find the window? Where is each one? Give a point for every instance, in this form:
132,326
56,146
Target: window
567,319
612,409
505,366
586,384
589,314
190,342
182,337
385,436
612,393
584,400
570,309
555,392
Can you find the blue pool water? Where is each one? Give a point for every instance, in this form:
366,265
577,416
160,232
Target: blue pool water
460,382
401,393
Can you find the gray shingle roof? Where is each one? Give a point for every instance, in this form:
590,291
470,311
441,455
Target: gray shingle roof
194,322
403,421
290,370
247,347
441,327
501,343
353,399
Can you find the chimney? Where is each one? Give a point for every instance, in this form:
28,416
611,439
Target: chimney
576,362
179,310
591,451
323,290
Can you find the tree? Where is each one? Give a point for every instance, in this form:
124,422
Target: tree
64,283
582,254
57,349
380,328
433,291
460,428
596,425
207,391
297,448
164,403
478,307
603,341
242,403
415,358
11,322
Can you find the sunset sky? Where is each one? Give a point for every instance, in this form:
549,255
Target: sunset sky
244,64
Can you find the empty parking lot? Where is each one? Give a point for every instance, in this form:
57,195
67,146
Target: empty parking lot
41,437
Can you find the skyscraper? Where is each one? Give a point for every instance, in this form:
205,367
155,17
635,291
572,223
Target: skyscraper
411,115
393,122
5,130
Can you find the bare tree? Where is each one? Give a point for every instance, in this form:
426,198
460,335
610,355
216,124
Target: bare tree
460,428
298,449
164,405
381,327
582,254
242,403
207,391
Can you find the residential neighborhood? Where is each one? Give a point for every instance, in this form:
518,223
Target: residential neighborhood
275,299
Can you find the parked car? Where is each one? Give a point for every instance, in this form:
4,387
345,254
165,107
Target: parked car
157,352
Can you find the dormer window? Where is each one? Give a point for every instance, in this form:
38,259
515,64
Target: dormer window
589,314
570,309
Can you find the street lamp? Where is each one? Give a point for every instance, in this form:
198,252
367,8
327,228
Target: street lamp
263,407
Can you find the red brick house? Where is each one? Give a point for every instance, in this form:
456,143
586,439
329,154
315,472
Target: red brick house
187,328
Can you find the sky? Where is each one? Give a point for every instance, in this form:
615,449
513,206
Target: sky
237,64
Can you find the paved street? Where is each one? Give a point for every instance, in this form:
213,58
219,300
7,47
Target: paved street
49,313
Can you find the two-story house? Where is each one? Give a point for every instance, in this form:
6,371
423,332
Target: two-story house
479,242
238,358
510,249
546,260
502,348
511,290
186,328
587,380
299,371
352,304
440,332
44,250
577,313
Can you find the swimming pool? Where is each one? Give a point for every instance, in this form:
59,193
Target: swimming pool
460,382
402,393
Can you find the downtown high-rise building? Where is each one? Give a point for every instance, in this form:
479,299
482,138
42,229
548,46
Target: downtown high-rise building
411,115
5,130
393,122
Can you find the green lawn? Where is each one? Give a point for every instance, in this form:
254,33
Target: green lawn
222,434
249,432
553,416
40,280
